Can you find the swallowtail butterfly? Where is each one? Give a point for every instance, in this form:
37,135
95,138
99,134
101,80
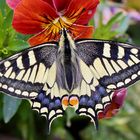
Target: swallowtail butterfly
82,74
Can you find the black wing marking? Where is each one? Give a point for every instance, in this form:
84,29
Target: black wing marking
32,74
91,96
23,74
105,66
49,102
115,65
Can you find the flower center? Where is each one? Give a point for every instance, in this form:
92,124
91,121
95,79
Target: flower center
55,25
59,23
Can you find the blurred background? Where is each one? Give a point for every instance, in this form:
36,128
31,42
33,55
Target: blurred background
117,20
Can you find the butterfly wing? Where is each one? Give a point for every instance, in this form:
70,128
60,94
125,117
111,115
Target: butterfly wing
31,74
21,75
105,66
116,65
90,97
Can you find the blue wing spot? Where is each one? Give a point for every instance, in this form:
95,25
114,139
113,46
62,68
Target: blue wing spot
41,96
96,96
57,103
90,103
83,101
45,102
51,105
101,90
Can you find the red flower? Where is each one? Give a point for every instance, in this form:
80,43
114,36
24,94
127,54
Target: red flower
45,18
116,104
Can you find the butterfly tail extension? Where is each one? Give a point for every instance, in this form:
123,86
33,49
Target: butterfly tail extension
91,114
93,105
48,107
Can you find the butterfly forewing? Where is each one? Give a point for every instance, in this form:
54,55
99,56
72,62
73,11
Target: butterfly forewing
115,65
22,74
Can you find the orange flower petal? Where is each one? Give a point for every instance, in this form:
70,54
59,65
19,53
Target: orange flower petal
46,35
59,5
42,37
82,9
79,31
29,16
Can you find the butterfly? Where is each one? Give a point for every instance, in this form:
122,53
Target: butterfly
82,74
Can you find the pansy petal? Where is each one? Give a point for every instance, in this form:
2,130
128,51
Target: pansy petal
81,10
43,37
61,5
31,17
80,31
117,102
50,2
48,35
12,3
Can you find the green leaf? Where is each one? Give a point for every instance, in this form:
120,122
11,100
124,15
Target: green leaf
17,45
8,20
2,7
117,25
115,19
124,24
10,107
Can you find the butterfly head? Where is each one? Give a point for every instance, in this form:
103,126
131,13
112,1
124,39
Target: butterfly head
66,39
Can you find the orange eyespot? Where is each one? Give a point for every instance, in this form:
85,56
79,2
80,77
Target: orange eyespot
65,101
74,101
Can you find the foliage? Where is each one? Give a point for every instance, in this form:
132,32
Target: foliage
18,120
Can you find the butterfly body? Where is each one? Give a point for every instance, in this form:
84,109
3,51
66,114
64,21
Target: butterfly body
82,74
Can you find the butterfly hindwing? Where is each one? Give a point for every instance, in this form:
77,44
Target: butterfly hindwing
49,102
91,97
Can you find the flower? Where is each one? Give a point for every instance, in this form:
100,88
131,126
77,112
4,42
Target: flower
45,18
117,102
12,3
